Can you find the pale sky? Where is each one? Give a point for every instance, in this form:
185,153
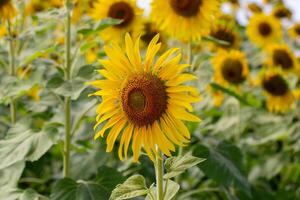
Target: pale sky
294,5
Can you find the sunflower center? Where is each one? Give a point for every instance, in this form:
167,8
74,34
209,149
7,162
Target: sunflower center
297,30
144,99
283,59
276,85
186,8
3,2
224,35
282,13
232,71
264,29
149,34
121,10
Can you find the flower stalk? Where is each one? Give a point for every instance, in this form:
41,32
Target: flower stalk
67,142
12,53
159,170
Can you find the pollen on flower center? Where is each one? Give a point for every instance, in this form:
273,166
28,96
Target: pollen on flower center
264,29
283,59
186,8
144,99
232,71
276,85
123,11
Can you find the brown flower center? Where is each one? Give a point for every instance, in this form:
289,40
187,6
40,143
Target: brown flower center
3,2
225,35
232,71
297,29
264,29
121,10
149,33
186,8
282,13
276,85
282,58
144,99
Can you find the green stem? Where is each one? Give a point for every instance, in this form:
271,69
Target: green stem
67,143
12,53
159,176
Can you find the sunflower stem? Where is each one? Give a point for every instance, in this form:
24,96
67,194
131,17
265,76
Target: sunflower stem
67,142
12,53
159,170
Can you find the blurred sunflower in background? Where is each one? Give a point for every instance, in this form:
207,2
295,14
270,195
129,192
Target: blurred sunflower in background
144,101
294,31
125,10
186,20
150,31
7,10
254,8
231,68
3,30
280,55
280,97
280,11
263,29
225,30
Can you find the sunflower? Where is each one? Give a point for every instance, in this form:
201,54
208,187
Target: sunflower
144,101
280,55
3,30
150,30
231,68
225,30
92,54
253,7
125,10
294,31
186,20
280,98
263,30
7,10
280,12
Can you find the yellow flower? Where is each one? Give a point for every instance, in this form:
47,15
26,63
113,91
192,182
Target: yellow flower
231,68
150,30
125,10
34,93
185,20
280,12
3,30
225,30
263,30
7,10
280,98
253,7
91,54
280,55
144,101
35,6
294,31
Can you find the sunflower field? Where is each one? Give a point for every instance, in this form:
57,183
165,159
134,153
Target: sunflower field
155,100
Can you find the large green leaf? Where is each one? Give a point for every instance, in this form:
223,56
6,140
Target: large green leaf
134,186
224,164
24,145
8,193
10,176
171,187
109,177
177,165
68,189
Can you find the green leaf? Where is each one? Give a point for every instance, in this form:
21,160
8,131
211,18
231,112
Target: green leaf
86,71
23,145
103,24
8,193
249,102
68,189
172,190
36,55
71,88
215,40
10,176
224,164
109,177
134,186
177,165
